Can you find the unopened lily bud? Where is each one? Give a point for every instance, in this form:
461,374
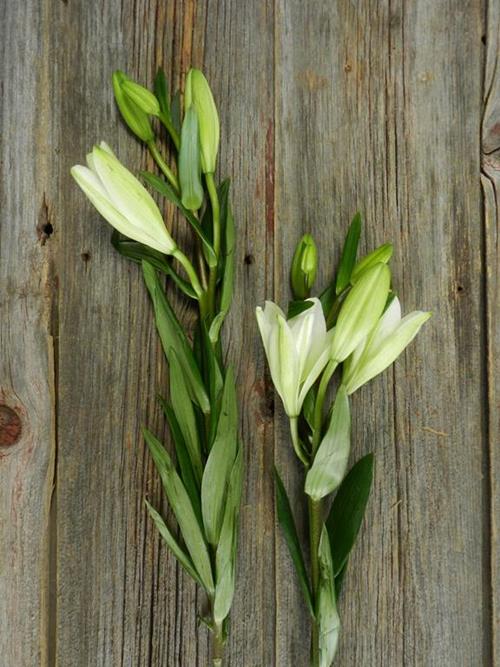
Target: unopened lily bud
142,97
122,200
304,267
382,254
133,115
199,95
361,310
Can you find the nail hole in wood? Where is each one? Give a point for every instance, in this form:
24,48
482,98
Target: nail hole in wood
249,259
10,426
85,256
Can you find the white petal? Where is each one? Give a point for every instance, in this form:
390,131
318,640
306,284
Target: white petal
388,352
131,198
289,369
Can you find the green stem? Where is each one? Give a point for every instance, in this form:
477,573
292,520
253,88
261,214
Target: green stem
214,202
217,646
191,273
294,430
315,524
171,177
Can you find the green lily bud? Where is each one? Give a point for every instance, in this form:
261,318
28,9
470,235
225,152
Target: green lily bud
142,97
382,254
189,163
199,95
133,115
304,266
361,310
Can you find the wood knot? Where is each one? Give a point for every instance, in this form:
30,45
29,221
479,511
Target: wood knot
10,426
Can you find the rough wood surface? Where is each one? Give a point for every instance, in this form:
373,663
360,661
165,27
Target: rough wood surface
326,108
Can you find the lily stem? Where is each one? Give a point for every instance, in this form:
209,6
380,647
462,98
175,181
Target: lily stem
217,647
171,177
315,525
294,430
190,270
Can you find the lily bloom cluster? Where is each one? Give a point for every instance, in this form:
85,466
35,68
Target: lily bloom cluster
355,326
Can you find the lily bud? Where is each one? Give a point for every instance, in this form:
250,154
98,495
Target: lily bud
382,346
304,267
361,310
382,254
122,200
189,163
142,97
133,115
198,94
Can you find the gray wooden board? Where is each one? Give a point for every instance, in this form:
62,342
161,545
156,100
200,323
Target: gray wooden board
326,108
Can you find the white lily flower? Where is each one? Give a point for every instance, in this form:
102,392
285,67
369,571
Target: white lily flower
382,346
297,350
122,200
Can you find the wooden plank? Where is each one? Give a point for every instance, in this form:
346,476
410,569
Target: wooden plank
121,597
27,287
378,110
491,189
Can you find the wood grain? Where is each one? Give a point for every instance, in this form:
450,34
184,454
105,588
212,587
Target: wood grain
326,108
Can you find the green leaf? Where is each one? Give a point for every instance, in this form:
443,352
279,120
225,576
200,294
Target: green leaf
297,307
161,91
287,523
183,460
339,579
137,252
175,111
227,222
327,298
173,337
220,462
171,542
347,511
225,558
165,189
189,163
330,463
326,612
183,510
185,415
348,258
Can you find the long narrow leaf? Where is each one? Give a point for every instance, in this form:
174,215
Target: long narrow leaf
330,463
326,613
165,189
172,544
220,462
228,264
287,523
137,252
185,415
183,510
348,258
347,511
225,560
173,338
183,460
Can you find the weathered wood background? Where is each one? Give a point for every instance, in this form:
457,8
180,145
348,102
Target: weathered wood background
389,107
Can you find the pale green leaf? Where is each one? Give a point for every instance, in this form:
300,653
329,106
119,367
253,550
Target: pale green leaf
172,544
225,561
330,463
181,505
220,462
